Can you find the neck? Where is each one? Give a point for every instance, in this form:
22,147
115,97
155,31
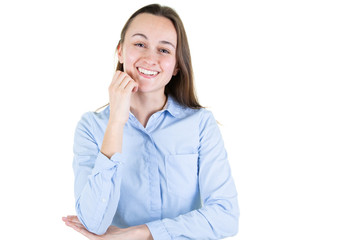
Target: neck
143,105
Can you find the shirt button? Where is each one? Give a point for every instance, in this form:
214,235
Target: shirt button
103,200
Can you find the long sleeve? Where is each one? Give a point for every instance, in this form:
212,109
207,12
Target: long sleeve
218,216
97,179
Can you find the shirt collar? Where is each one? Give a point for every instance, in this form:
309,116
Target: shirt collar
174,108
171,106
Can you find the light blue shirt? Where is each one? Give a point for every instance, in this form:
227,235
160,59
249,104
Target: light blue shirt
173,175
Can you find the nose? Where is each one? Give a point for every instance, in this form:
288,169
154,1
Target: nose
150,57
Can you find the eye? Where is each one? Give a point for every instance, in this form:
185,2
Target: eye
164,51
139,44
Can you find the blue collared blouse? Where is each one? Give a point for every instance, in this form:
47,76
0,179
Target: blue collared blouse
173,175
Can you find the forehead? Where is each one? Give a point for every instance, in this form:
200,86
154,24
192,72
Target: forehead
153,27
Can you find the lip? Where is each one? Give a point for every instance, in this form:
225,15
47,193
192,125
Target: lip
147,76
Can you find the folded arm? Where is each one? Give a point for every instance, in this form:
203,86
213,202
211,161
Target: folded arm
97,179
219,214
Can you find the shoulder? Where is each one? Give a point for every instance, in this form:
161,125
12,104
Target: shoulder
92,120
199,120
204,116
179,111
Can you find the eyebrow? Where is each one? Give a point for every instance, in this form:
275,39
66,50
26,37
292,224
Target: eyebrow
163,41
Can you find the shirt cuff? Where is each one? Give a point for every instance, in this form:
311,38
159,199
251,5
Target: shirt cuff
158,230
102,162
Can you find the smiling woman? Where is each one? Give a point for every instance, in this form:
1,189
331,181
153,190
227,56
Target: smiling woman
148,52
152,164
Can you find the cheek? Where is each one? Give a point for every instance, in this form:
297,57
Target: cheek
129,60
169,65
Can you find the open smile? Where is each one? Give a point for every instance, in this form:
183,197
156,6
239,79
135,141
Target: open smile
146,72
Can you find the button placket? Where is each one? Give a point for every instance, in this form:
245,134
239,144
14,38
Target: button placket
154,179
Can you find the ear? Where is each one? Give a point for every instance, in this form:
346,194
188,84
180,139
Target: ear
120,53
176,70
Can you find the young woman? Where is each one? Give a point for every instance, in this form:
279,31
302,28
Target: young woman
152,164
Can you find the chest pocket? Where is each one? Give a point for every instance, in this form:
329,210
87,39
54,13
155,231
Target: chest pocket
182,174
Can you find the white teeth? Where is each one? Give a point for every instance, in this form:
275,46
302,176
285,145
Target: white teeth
147,72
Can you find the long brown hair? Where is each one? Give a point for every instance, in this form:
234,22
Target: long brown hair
181,86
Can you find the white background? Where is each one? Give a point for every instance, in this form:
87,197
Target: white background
282,77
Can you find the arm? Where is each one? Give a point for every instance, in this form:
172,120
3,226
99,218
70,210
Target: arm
218,217
97,179
98,173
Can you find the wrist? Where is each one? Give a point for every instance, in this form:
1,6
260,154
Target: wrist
118,119
116,124
144,232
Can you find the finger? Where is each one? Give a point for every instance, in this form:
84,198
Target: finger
118,79
115,77
81,229
73,224
135,89
85,232
66,219
132,86
125,81
73,218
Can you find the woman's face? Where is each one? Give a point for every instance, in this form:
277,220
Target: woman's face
148,52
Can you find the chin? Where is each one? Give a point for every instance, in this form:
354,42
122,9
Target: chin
148,89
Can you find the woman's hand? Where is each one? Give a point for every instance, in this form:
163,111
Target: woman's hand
113,233
120,90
